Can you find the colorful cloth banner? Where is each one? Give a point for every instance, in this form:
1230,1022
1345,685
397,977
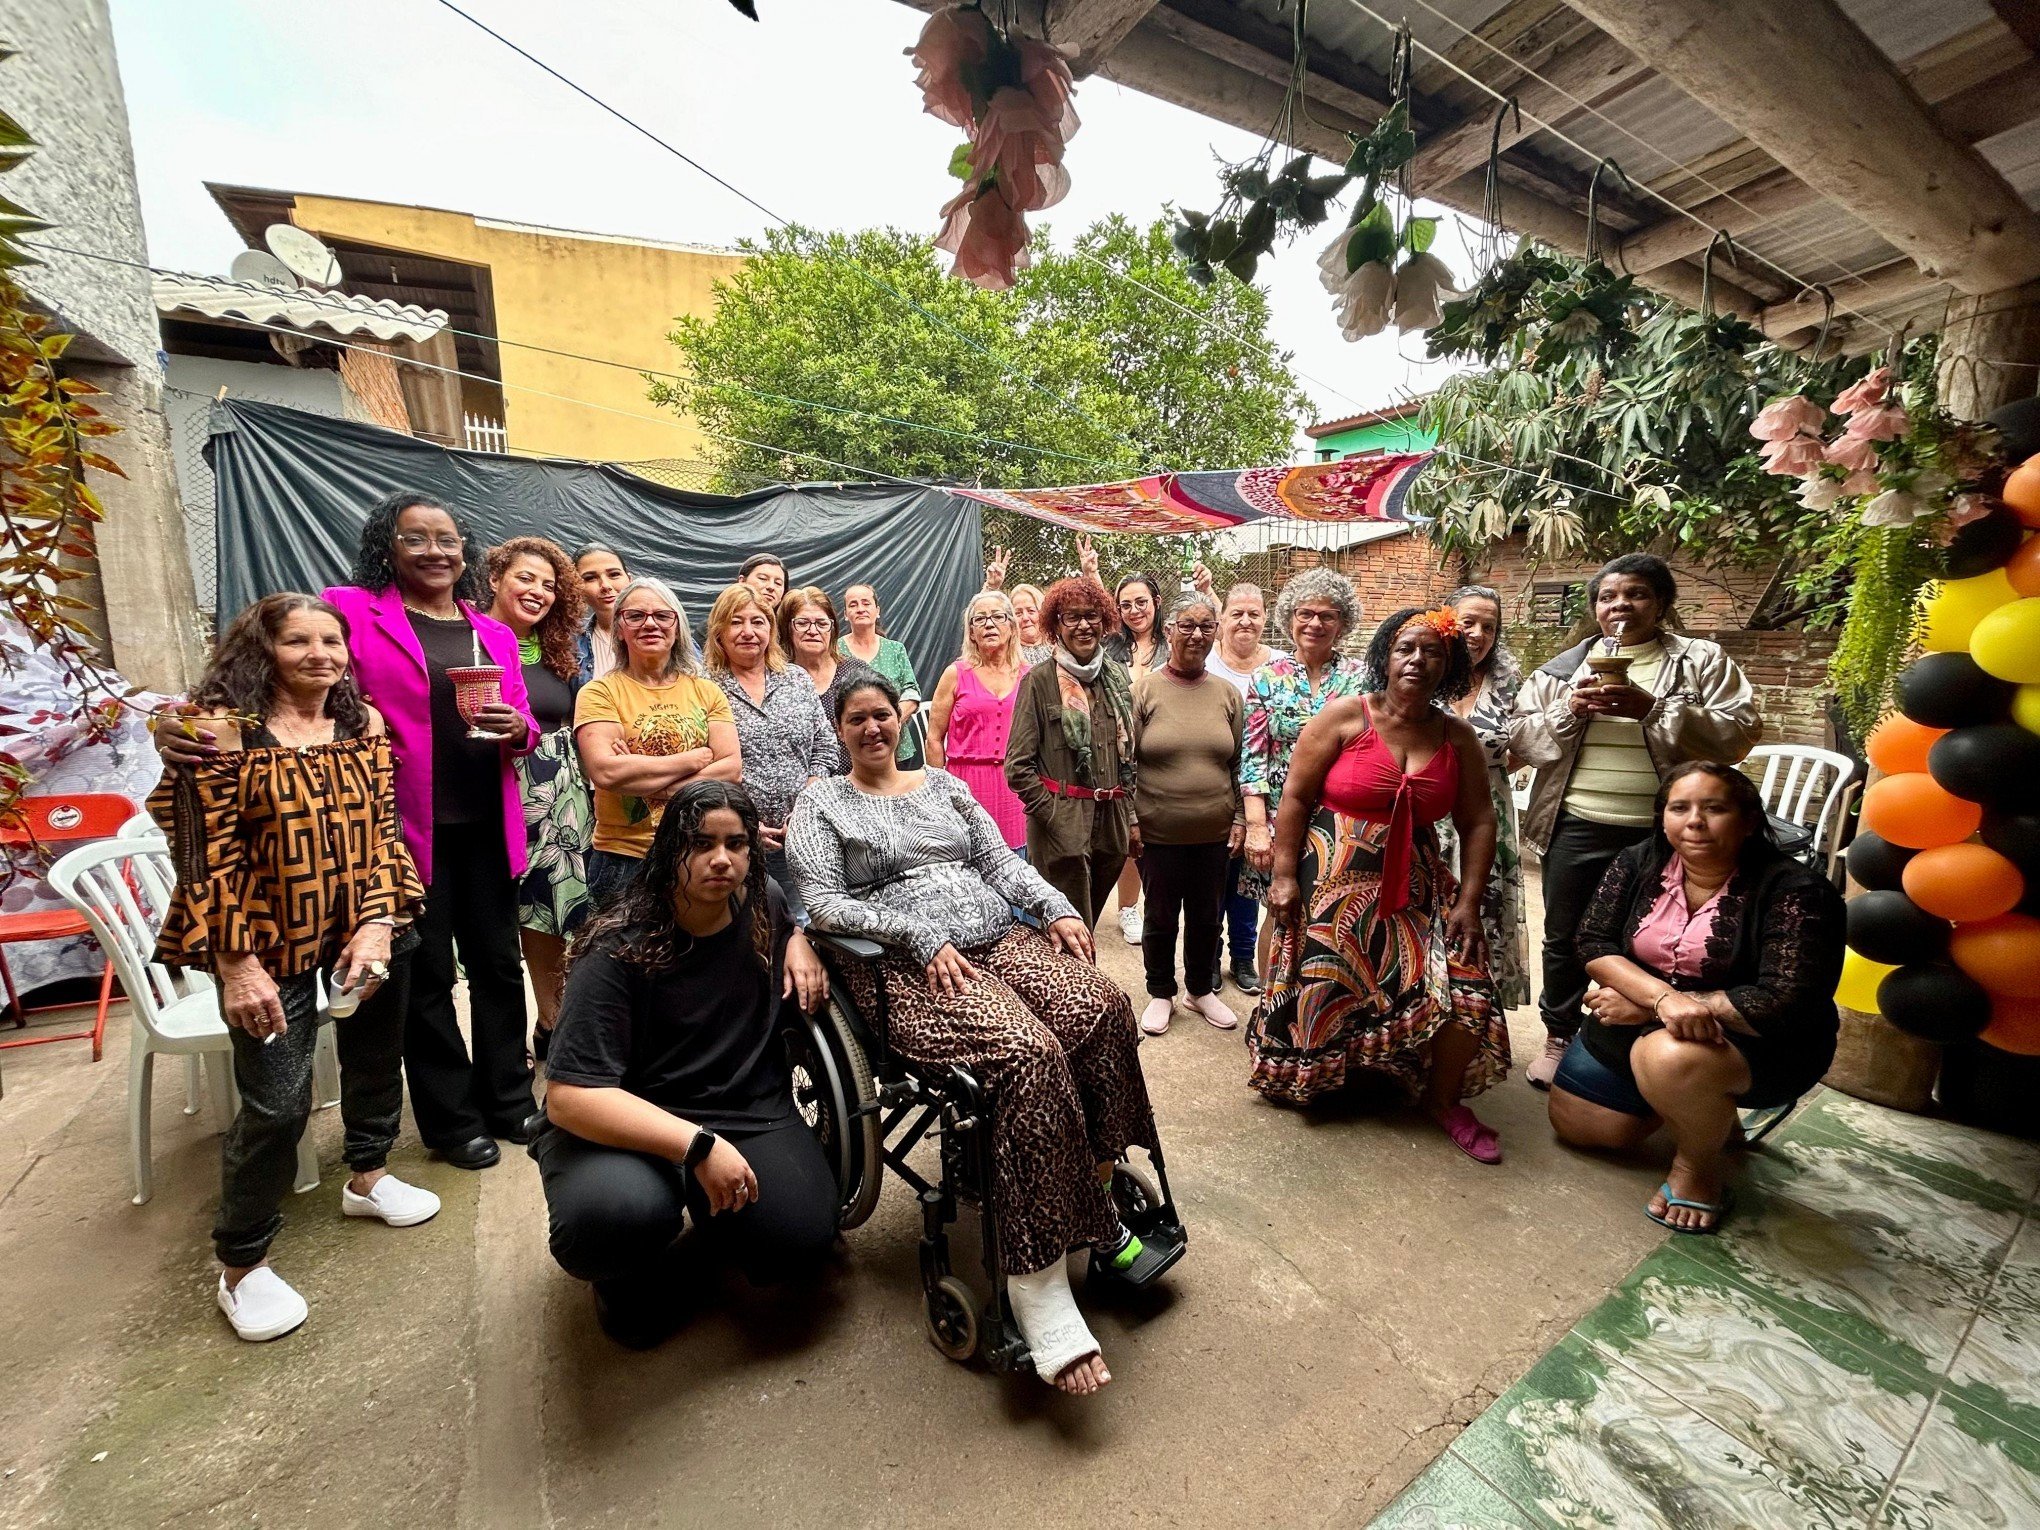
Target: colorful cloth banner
1358,489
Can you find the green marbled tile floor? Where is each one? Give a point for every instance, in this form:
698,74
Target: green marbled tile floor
1858,1347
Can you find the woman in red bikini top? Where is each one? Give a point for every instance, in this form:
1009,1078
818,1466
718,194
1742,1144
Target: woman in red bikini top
1383,963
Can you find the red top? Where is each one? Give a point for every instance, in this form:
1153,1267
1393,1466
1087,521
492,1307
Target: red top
1365,782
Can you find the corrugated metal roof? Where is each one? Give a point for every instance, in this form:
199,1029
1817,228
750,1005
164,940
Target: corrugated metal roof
299,308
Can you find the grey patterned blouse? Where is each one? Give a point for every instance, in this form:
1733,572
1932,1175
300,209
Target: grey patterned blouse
915,872
784,741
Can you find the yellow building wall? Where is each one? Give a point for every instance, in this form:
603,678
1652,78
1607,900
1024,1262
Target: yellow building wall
602,297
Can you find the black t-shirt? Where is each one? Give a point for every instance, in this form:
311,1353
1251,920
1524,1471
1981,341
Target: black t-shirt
551,698
467,773
697,1038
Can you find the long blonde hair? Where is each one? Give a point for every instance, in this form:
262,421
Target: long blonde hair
971,654
722,613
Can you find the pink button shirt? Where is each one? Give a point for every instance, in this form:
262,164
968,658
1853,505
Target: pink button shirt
1673,938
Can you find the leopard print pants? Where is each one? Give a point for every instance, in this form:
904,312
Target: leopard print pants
1053,1042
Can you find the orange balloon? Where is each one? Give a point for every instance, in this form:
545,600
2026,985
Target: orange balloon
2003,954
1915,810
2024,569
1964,882
2014,1026
2022,491
1898,744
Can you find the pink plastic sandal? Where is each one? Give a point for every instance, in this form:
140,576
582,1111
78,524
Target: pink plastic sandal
1475,1138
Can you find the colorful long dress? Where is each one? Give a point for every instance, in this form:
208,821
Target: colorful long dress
979,724
1280,700
559,812
1501,906
1366,980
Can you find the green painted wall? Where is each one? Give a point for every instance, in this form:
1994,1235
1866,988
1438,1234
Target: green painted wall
1375,436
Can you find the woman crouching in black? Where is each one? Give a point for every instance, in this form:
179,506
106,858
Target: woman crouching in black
668,1091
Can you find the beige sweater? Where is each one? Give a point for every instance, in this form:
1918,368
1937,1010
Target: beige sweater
1186,750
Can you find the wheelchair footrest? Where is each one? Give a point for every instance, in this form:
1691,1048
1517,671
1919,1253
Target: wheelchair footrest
1161,1248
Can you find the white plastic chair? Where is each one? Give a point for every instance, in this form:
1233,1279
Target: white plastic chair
114,884
141,826
1806,785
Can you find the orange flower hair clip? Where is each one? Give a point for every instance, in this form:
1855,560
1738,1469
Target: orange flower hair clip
1444,621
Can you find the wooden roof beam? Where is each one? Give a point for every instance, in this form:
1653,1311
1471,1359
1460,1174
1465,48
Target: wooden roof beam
1087,30
1888,284
1805,84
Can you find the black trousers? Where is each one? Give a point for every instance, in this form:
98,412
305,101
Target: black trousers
614,1214
1186,882
471,907
1580,851
258,1155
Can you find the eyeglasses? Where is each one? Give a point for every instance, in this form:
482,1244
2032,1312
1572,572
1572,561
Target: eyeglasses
415,541
810,624
649,619
1196,629
1317,618
1079,619
989,619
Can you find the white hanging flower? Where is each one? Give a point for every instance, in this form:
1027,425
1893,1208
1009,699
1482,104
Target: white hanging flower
1894,507
1422,286
1931,482
1820,492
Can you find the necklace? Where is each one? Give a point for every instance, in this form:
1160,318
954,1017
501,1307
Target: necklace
433,616
282,736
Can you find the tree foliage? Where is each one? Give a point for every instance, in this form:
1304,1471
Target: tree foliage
816,356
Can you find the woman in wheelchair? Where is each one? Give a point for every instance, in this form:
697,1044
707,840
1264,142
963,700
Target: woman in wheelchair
669,1094
909,859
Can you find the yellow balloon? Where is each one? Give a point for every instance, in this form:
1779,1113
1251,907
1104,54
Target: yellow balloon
1858,988
1952,608
2007,642
2026,708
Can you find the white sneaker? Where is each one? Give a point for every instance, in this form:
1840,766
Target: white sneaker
1129,924
1155,1018
389,1198
262,1306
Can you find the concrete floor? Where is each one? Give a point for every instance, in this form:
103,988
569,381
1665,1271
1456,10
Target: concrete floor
1356,1291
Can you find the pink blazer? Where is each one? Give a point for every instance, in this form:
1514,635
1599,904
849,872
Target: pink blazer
390,665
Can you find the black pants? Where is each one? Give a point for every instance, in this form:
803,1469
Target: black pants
615,1213
472,906
1186,881
1580,851
258,1155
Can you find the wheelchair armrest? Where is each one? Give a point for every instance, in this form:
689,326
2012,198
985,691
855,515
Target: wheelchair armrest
854,946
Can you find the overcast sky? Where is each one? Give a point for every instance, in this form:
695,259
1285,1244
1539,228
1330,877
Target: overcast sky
813,112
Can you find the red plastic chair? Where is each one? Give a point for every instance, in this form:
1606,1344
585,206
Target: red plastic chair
58,820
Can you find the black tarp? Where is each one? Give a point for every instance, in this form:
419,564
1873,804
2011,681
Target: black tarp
293,490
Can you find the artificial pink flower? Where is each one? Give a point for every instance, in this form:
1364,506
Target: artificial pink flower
1045,75
986,235
1877,422
1793,456
1861,395
1853,453
951,44
1965,508
1020,148
1820,492
1862,481
1787,417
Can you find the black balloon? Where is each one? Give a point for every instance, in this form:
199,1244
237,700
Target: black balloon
2015,836
1985,544
1934,1002
1997,764
1875,862
1951,690
2018,426
1889,927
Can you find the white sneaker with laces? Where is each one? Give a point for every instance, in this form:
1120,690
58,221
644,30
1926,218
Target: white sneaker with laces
1129,924
262,1306
392,1200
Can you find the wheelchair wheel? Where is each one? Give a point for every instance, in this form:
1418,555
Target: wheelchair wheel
863,1137
952,1318
1135,1196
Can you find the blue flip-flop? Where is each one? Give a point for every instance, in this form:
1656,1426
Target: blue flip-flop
1718,1210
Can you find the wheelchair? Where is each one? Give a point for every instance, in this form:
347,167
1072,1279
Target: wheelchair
870,1108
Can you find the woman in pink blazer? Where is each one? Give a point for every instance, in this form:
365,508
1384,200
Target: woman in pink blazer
411,617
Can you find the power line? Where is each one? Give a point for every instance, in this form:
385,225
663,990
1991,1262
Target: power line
694,164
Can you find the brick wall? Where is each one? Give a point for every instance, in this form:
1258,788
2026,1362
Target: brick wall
1788,669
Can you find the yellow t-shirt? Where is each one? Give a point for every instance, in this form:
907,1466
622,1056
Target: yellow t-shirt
662,720
1614,781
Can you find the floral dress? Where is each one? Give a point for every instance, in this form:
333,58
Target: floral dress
1280,701
559,813
1501,906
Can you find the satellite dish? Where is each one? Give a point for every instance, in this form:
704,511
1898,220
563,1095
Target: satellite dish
304,253
259,268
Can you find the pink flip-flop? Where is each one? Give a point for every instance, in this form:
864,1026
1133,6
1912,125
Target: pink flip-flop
1475,1138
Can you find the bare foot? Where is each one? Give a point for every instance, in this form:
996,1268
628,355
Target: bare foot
1080,1378
1688,1185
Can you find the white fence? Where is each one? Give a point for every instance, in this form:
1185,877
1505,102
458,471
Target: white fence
485,434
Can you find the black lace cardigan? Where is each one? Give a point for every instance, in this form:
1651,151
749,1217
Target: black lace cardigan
1775,949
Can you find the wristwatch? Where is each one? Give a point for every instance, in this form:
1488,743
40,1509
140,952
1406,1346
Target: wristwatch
698,1150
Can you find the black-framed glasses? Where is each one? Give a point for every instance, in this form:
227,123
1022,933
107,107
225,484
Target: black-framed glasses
1196,629
990,619
810,624
1080,619
649,619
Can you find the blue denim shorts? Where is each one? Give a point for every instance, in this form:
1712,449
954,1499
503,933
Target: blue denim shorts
1580,1072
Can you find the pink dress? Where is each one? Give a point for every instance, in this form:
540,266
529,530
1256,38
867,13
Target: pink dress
978,725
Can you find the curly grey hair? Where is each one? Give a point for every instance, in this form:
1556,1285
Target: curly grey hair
1190,600
681,660
1318,584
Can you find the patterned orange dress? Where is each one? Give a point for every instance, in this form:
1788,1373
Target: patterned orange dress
1366,980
